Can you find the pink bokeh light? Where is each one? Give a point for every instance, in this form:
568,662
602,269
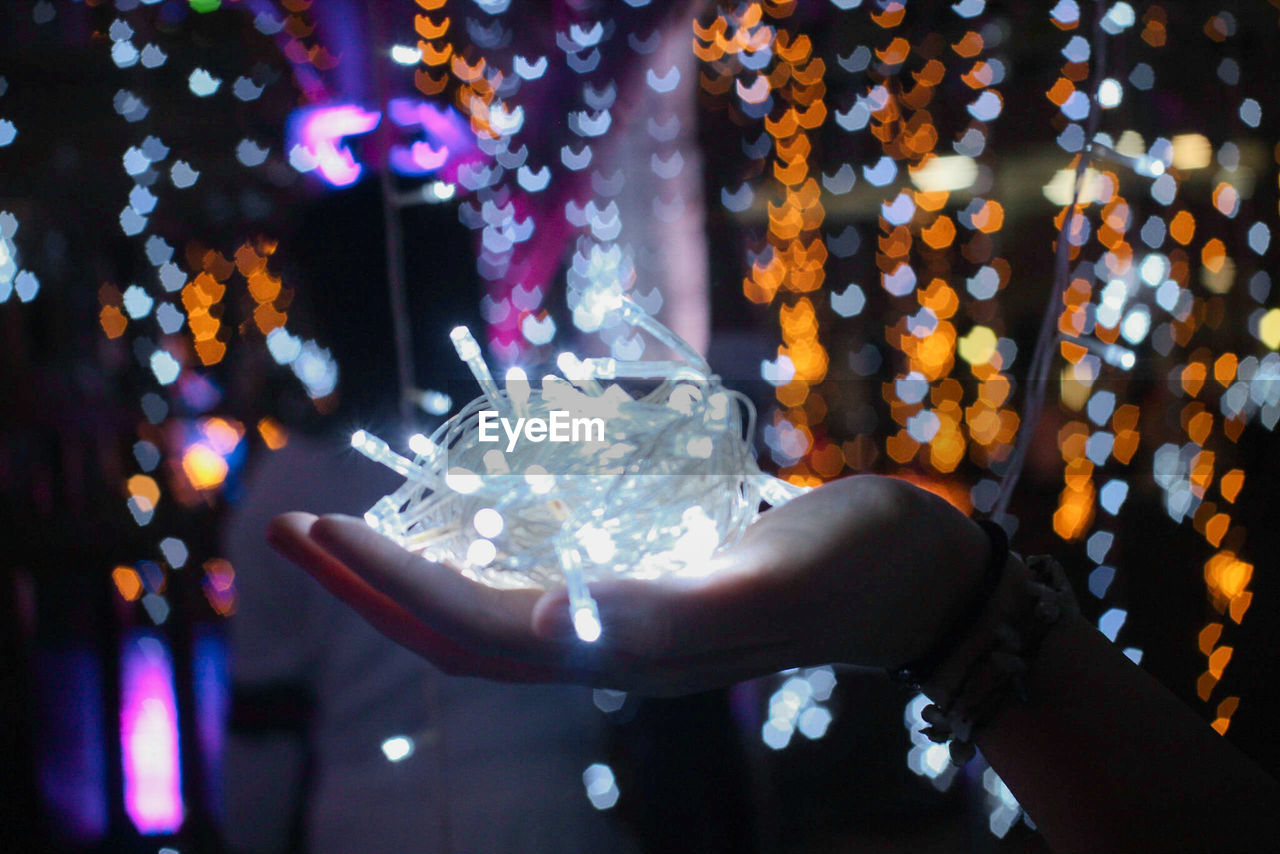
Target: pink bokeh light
149,737
320,130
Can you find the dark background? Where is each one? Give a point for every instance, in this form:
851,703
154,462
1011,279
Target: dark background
693,774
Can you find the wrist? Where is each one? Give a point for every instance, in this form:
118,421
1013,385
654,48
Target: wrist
981,573
940,685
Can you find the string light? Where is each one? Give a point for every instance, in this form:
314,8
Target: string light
668,478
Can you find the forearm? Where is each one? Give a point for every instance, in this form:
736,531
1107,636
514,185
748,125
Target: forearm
1103,757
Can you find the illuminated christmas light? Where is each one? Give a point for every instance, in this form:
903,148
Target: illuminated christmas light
668,478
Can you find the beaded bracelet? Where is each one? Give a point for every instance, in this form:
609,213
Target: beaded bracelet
989,667
980,663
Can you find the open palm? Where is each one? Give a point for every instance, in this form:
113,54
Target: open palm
865,570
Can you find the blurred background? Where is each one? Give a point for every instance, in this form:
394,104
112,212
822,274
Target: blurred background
234,231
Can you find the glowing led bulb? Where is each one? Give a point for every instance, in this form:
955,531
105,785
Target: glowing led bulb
1110,93
700,537
598,544
496,463
469,352
487,522
465,343
379,451
700,446
422,446
586,623
539,481
397,748
481,552
577,373
569,365
518,390
462,481
405,55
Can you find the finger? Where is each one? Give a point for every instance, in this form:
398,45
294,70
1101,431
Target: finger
676,619
289,534
640,655
481,619
637,617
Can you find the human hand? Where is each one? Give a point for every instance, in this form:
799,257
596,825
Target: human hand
866,570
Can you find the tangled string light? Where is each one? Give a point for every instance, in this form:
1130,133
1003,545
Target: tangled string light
641,486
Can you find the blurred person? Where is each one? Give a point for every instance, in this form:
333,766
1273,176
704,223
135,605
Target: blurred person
341,740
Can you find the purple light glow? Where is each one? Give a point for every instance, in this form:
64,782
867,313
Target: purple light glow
320,130
418,159
149,736
71,757
447,144
212,686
